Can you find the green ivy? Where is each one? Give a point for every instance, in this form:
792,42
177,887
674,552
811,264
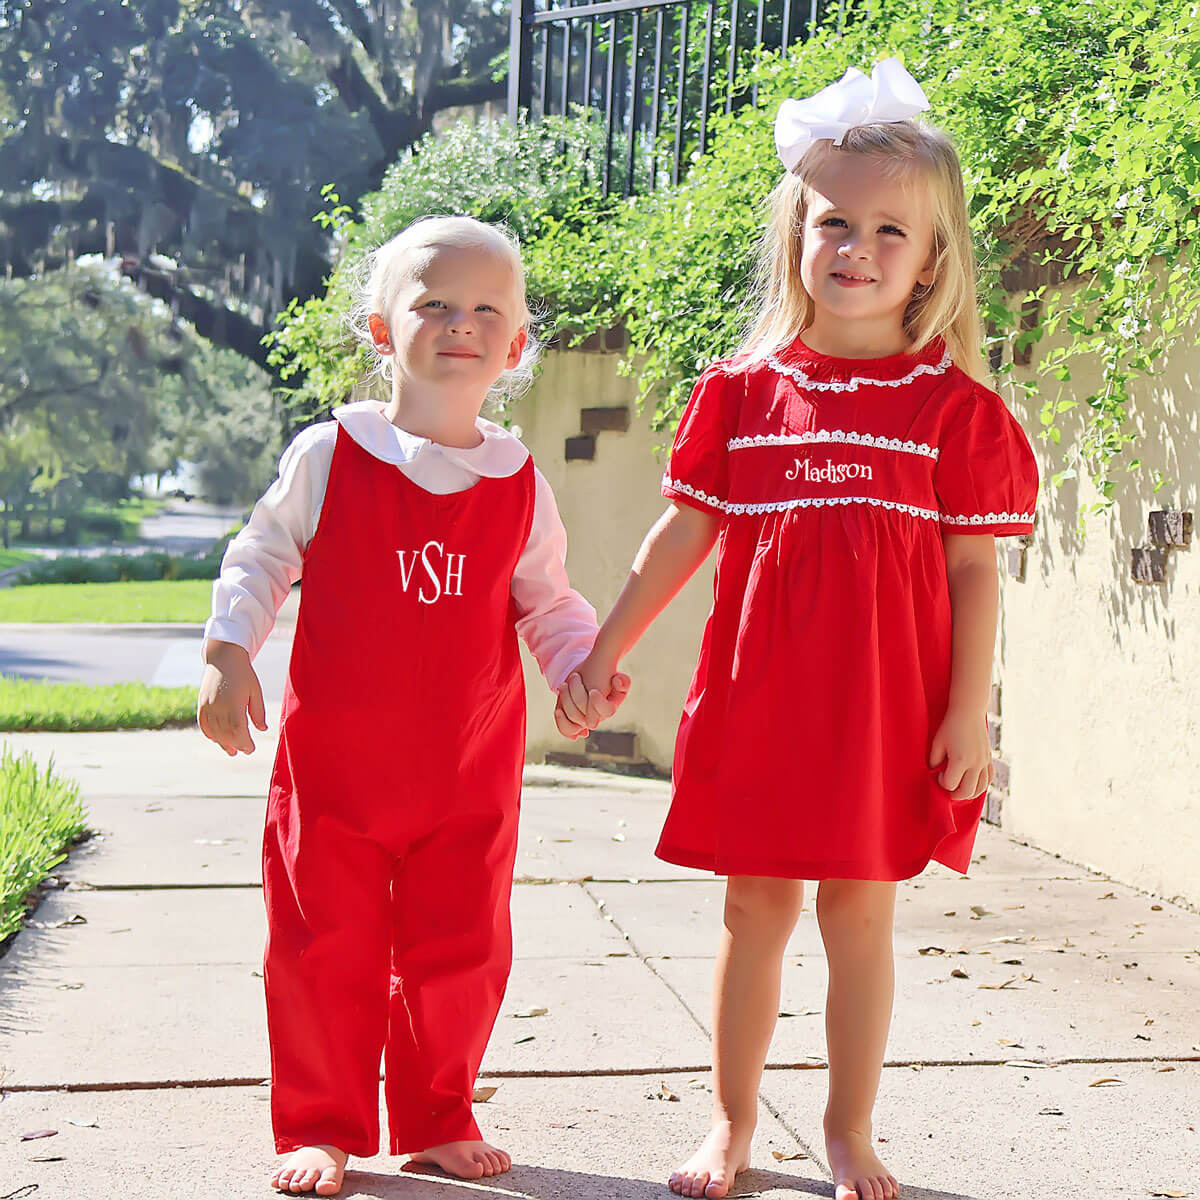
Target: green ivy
1078,124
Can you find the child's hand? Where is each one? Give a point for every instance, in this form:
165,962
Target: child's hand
228,691
588,697
961,744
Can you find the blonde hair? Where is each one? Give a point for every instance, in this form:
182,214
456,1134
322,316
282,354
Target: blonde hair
948,308
381,273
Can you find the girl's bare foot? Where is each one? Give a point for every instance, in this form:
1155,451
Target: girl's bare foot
467,1160
312,1169
856,1168
711,1170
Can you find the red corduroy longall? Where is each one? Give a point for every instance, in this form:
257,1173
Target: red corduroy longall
392,818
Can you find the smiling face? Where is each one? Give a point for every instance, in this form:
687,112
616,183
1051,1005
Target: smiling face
867,242
456,319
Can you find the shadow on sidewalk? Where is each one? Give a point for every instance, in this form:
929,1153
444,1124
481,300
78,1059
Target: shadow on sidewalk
544,1183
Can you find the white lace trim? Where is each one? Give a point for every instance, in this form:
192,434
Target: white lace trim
857,381
677,486
996,518
928,514
727,506
833,435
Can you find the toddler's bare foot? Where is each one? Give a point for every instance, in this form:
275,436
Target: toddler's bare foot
312,1169
711,1170
856,1168
467,1160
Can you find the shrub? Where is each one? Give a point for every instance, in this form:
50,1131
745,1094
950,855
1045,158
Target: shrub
1076,125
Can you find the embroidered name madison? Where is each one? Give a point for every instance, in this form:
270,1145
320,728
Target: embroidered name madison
831,472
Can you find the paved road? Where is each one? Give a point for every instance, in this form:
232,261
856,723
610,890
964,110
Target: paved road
182,527
188,527
165,655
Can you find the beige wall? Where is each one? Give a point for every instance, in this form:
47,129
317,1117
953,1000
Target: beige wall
607,505
1100,676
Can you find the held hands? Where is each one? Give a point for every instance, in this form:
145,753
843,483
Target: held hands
960,747
228,691
591,694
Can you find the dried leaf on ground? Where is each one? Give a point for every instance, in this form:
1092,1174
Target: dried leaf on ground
1171,1193
978,911
531,1012
77,919
482,1095
663,1093
521,1040
1050,1112
1026,1064
996,987
779,1156
38,1133
1107,1081
931,950
959,973
92,1124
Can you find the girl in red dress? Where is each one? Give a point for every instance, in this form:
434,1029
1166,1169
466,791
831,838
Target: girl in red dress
853,468
427,542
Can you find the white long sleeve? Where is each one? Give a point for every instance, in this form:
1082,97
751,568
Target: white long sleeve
267,556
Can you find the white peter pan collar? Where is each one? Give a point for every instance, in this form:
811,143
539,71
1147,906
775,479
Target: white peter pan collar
500,454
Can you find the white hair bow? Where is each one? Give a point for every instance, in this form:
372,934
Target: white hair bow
889,94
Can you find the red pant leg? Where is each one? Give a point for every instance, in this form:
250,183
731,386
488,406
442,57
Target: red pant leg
451,958
327,976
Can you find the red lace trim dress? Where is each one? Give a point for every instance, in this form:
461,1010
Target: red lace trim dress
825,665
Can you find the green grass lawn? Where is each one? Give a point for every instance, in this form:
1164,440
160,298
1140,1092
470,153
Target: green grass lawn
164,600
28,705
14,558
40,817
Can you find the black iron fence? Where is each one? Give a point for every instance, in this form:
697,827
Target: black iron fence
653,71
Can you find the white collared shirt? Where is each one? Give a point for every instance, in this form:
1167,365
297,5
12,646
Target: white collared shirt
266,558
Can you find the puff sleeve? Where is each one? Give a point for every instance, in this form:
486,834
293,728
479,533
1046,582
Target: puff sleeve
986,478
698,469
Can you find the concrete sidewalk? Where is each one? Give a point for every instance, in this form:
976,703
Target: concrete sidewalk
1046,1037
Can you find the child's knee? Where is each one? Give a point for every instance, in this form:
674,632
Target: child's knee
762,905
862,903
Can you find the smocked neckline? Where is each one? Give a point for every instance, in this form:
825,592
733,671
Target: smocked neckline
893,366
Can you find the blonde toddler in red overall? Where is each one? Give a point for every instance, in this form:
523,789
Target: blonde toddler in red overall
427,542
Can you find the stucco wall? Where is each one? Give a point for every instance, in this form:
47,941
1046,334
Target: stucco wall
1099,675
607,505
